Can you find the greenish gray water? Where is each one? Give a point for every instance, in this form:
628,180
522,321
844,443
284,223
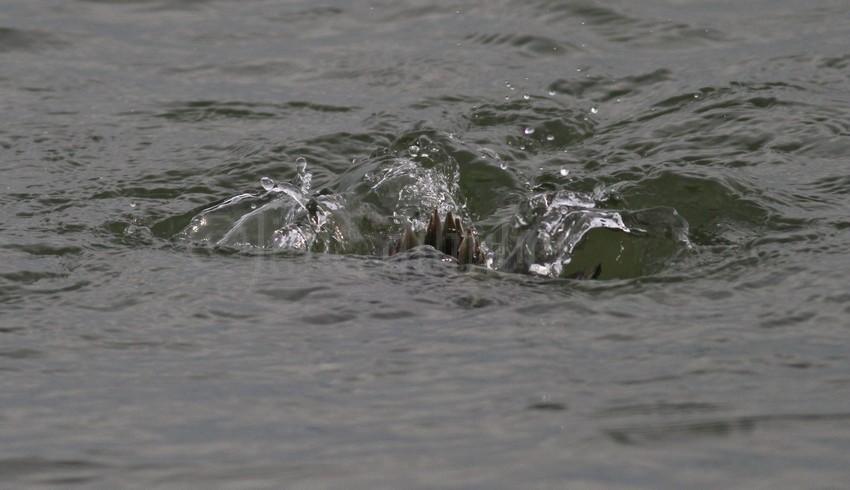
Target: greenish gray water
713,352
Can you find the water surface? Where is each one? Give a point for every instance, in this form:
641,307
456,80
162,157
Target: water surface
132,356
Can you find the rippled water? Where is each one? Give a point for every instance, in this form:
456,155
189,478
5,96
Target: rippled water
197,198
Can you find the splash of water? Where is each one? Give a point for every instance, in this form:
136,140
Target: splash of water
284,217
556,233
556,228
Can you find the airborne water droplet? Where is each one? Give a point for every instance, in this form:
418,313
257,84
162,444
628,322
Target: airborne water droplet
551,93
414,150
564,171
529,131
503,165
526,96
550,137
301,165
594,110
267,183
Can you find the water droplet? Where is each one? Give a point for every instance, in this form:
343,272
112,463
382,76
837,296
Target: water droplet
487,152
564,171
413,150
529,131
253,205
503,165
552,93
550,137
301,165
696,96
594,110
267,183
526,96
133,204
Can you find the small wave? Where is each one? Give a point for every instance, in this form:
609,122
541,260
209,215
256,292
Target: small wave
205,110
533,44
27,40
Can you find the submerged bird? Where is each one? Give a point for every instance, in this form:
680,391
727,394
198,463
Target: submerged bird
449,237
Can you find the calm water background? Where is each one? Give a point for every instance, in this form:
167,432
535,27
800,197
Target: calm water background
129,361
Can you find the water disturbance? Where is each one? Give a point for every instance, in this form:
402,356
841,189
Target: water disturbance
409,244
395,197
